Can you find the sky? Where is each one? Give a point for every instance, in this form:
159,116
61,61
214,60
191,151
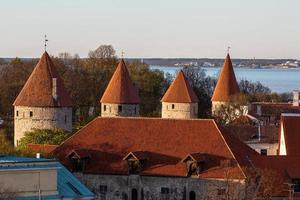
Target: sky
152,28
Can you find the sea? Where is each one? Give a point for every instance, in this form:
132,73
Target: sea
277,79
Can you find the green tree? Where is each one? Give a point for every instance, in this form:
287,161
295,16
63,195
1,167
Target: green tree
44,136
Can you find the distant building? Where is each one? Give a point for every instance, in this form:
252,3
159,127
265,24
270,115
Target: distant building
43,103
153,158
38,178
227,87
120,98
180,101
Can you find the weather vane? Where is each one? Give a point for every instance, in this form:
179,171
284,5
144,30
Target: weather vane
228,49
122,54
46,40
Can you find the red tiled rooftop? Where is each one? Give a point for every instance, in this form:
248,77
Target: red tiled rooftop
164,142
37,91
180,91
227,86
120,88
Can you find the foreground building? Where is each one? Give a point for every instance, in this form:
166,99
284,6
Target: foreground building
180,101
43,103
227,87
120,98
37,178
148,158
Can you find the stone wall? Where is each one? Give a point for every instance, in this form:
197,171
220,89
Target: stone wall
120,187
179,110
27,118
120,110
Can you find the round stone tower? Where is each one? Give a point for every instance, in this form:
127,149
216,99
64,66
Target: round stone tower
43,103
180,101
120,98
227,86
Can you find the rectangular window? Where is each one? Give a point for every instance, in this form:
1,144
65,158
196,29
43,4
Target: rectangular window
173,106
221,191
30,113
165,193
104,108
17,113
264,152
66,119
120,108
103,189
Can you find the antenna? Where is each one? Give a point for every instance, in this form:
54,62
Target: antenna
46,40
228,49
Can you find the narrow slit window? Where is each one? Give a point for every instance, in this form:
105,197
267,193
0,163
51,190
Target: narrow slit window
104,108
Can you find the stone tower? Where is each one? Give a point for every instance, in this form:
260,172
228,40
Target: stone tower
120,98
180,101
227,86
43,103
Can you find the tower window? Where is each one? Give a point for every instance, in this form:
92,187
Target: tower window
173,106
104,108
120,108
30,113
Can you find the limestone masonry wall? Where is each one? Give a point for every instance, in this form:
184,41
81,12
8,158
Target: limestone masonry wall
120,110
118,187
27,118
179,110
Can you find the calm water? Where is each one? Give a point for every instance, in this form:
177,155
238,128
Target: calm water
278,80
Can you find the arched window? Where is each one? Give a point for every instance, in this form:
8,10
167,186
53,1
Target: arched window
134,194
192,195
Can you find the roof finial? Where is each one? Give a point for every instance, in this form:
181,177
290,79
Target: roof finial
228,49
46,40
122,54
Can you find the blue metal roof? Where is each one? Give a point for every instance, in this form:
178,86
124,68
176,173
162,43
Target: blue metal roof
68,185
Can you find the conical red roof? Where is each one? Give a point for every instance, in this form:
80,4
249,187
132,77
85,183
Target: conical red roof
227,85
180,91
120,88
37,91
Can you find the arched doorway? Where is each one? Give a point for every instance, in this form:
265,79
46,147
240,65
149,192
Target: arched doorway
134,194
192,195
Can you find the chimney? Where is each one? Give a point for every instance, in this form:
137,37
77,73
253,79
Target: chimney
54,88
296,98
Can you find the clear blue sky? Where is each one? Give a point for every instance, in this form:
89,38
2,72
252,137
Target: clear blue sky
152,28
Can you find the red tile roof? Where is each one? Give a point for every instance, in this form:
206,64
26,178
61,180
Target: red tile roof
120,88
180,91
164,142
291,129
37,91
42,148
227,86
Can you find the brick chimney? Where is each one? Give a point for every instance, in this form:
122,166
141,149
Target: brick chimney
54,88
296,98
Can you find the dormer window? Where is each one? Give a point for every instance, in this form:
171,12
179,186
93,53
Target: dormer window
136,161
195,163
79,159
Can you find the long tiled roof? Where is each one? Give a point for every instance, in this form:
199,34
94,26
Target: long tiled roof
120,88
37,91
227,86
180,91
164,142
